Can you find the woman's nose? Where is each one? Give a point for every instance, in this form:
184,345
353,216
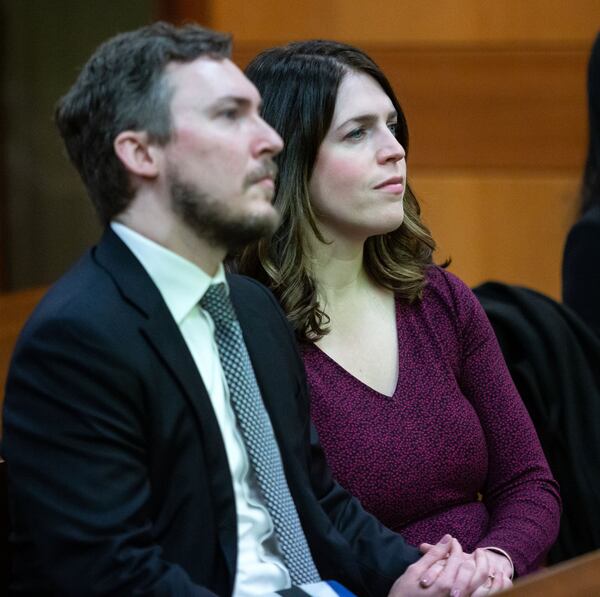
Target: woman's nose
391,150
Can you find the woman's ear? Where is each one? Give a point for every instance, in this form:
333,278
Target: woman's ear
139,156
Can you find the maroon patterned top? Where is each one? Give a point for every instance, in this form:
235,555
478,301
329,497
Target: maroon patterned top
453,450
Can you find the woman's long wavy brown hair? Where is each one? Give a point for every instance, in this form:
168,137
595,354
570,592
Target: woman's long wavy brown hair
299,84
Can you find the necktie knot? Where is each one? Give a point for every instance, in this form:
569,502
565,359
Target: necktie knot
217,303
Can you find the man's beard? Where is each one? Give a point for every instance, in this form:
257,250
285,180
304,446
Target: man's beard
211,220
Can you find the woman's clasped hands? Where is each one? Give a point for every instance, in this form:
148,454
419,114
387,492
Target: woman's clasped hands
445,570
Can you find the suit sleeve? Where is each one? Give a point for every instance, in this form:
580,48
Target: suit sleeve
520,493
75,446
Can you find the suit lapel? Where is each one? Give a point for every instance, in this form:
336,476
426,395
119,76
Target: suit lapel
161,331
158,326
171,347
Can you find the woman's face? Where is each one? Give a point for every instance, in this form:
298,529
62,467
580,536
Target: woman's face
359,177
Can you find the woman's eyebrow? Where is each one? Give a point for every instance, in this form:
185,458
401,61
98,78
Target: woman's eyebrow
367,119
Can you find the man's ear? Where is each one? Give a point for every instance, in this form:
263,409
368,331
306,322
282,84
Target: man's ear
138,155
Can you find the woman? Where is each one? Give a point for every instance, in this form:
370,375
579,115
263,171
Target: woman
411,398
581,264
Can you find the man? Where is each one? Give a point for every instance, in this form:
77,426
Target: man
135,465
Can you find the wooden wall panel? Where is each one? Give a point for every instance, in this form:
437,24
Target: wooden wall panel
15,308
485,108
491,108
411,21
508,228
179,11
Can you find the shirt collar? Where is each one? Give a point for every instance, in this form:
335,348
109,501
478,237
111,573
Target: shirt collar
181,283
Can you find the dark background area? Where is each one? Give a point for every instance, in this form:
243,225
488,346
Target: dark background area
46,219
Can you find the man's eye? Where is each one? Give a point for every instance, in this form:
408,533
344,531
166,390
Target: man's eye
230,113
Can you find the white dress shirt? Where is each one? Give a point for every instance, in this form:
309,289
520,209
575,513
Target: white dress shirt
260,567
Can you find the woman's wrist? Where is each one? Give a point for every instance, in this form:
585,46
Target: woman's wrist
504,554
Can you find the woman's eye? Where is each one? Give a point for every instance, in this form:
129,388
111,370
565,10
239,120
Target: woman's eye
356,134
393,126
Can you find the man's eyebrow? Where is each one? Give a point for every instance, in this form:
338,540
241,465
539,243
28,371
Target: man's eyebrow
241,101
368,118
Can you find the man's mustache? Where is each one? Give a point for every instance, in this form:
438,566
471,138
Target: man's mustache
268,169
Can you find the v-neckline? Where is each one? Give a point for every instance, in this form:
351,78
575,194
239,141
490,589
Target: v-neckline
360,381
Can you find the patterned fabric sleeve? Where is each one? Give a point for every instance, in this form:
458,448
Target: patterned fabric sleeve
520,493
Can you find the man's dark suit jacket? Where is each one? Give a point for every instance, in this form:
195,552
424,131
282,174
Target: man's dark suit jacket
120,483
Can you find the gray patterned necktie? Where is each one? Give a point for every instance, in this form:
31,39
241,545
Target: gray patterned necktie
258,435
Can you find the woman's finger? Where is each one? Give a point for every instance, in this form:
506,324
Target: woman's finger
481,575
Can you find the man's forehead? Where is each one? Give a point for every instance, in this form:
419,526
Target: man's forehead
211,79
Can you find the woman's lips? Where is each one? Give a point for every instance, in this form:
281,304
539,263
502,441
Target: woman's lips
395,188
393,185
